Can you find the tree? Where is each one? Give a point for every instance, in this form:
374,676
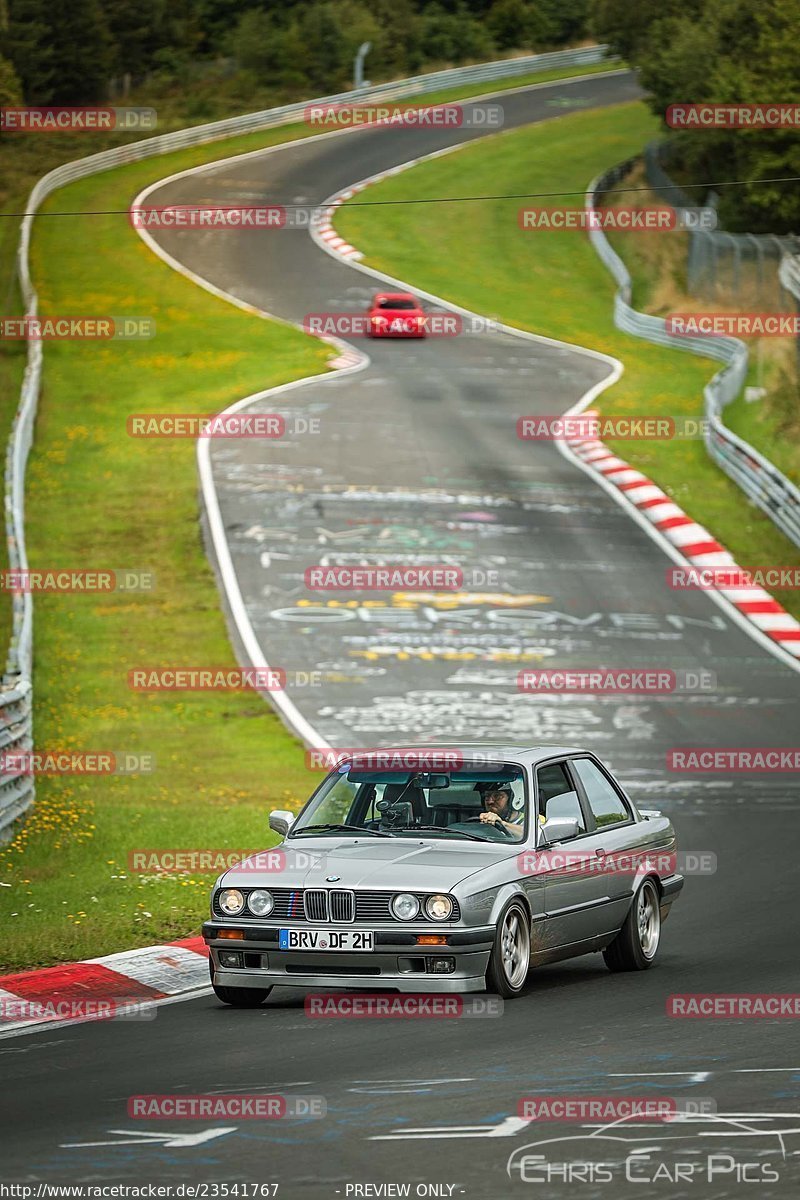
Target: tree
29,47
627,27
568,19
83,52
321,31
10,86
138,29
721,52
62,53
517,23
452,36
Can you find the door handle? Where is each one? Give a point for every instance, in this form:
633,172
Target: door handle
600,852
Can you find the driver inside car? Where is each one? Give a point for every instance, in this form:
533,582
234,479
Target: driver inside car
501,808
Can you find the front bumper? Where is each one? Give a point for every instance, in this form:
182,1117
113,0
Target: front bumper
396,963
395,333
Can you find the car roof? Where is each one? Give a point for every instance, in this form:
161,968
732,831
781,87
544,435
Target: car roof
394,296
535,753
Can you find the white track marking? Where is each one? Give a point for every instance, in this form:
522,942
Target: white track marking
176,1141
506,1128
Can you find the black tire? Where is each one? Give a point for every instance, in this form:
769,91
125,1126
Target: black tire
635,948
508,970
238,997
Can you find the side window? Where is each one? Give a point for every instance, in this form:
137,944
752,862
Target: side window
556,795
604,800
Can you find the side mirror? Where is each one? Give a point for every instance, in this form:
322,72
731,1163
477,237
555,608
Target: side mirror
558,829
281,821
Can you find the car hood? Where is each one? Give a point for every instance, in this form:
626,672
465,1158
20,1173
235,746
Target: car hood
371,863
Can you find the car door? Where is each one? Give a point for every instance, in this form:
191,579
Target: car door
615,837
574,891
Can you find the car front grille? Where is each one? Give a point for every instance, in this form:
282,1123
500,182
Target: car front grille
336,905
343,906
315,904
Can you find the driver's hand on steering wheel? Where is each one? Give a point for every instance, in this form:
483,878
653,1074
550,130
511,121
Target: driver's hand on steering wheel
489,818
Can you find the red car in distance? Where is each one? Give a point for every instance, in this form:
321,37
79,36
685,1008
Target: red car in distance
396,314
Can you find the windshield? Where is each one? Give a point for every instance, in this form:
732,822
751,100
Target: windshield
397,305
486,803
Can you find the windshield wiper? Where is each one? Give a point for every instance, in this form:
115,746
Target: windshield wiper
473,837
334,826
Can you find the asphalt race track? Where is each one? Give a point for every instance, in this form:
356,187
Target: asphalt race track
418,456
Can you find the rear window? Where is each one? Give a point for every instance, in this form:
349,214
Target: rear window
397,305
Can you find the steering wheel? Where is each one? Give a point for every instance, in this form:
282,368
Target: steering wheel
492,825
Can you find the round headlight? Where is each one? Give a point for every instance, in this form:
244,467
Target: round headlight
260,902
231,901
405,906
438,908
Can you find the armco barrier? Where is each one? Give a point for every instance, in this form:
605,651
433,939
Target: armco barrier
762,482
789,275
16,727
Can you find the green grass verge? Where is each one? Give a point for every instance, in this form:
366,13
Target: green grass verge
554,283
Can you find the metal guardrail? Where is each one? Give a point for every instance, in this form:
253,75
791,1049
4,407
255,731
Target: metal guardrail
789,275
16,720
789,272
720,263
761,481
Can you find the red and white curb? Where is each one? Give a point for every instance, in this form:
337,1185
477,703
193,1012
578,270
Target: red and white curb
693,542
322,227
71,993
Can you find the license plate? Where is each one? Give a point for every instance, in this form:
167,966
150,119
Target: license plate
325,939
